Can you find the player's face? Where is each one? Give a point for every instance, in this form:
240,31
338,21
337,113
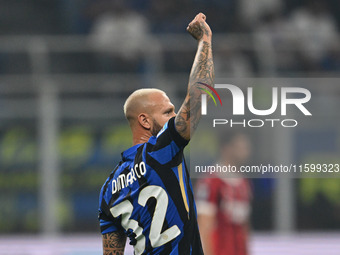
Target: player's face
163,110
238,150
241,148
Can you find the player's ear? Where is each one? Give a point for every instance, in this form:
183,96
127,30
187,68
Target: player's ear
144,121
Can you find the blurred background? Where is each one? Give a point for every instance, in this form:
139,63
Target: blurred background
67,66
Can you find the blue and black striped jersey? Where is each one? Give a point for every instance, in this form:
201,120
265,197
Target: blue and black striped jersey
149,197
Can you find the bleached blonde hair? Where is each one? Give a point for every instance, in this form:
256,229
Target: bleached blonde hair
138,99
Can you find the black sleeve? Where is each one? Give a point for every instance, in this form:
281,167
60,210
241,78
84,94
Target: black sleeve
179,140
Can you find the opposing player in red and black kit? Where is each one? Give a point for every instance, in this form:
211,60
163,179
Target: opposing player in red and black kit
148,197
223,200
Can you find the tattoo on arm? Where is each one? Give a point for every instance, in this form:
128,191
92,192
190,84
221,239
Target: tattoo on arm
114,243
202,71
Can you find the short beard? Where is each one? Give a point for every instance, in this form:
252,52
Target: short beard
156,128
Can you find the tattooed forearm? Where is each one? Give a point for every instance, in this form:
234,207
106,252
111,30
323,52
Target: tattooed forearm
114,243
202,71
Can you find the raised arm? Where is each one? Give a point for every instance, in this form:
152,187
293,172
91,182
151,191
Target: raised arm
202,71
114,243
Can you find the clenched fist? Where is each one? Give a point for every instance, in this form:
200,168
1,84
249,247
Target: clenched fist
199,28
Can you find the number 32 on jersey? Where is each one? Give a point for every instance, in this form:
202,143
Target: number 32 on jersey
157,238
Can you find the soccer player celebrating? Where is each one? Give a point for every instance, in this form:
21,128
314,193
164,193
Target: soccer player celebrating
148,197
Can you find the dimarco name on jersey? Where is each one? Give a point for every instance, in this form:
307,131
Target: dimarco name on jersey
125,180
